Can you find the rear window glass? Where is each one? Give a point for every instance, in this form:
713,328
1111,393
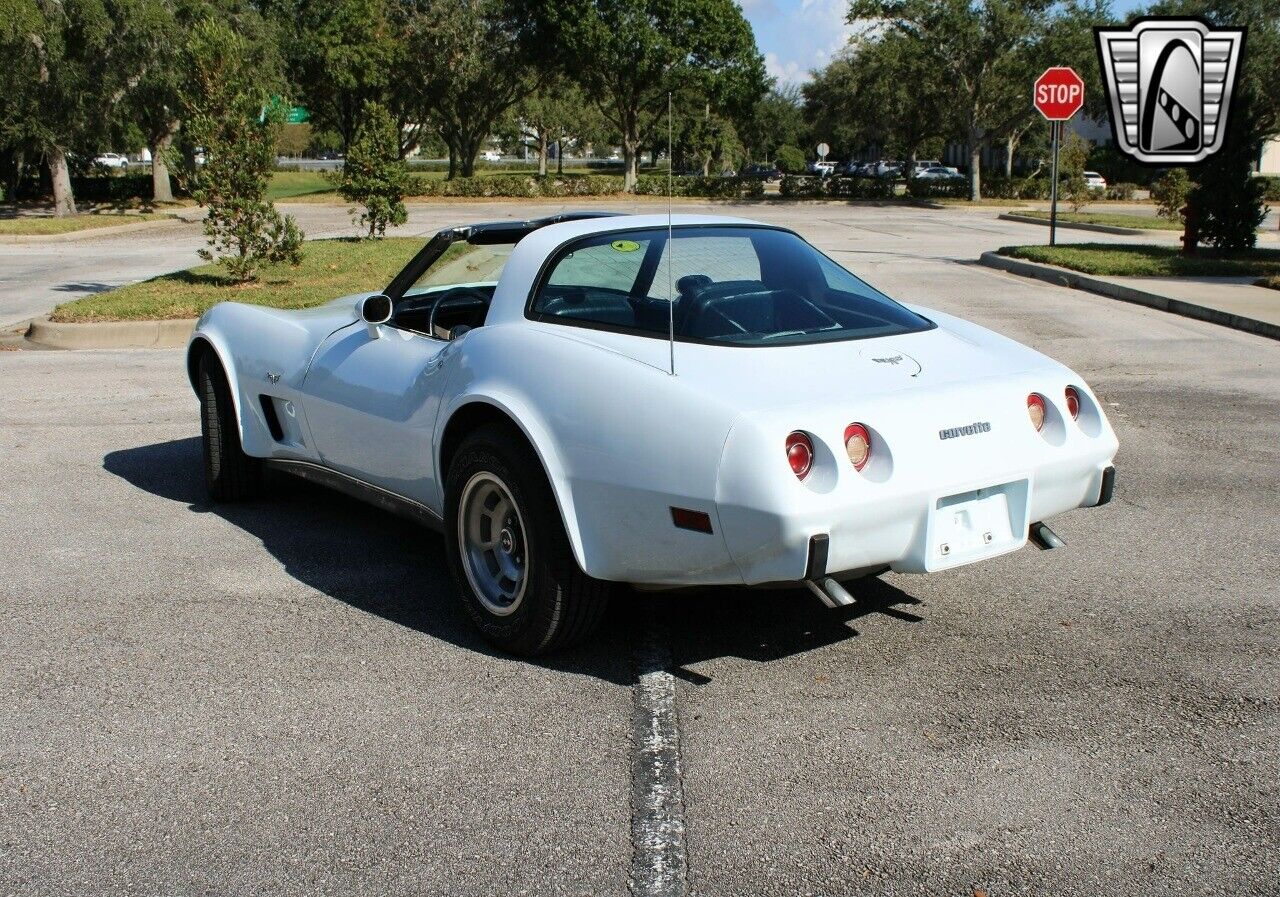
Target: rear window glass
733,285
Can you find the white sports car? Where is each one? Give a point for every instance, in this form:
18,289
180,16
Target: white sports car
592,399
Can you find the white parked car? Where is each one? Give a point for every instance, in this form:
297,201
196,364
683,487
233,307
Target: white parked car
822,169
581,400
940,173
491,156
111,160
1095,181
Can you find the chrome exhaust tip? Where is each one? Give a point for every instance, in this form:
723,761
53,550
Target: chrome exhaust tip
1045,538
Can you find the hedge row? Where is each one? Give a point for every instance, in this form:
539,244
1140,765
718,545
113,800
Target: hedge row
515,185
714,188
930,189
811,187
116,188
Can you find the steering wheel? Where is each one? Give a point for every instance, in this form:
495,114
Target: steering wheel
455,296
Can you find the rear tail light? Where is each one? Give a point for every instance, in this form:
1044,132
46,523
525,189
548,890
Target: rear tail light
800,454
1035,410
1073,402
857,442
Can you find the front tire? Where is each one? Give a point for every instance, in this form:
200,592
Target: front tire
229,474
508,550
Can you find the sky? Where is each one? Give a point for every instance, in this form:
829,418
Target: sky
797,36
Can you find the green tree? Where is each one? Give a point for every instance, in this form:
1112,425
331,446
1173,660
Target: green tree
552,112
776,120
69,65
790,159
343,54
1073,156
471,61
980,47
1225,203
228,113
629,54
374,175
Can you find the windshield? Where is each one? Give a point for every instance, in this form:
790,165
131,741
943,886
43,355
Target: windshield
463,263
735,285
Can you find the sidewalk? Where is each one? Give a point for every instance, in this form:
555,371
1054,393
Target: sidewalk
1230,301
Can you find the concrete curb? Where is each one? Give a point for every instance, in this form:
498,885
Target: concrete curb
1064,277
92,232
111,334
1077,225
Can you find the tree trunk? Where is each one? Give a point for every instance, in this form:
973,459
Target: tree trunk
64,201
1010,147
975,168
161,190
559,157
630,155
470,148
544,140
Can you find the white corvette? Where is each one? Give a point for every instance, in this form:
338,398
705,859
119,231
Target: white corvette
594,399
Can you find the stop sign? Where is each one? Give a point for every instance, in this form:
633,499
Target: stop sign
1059,93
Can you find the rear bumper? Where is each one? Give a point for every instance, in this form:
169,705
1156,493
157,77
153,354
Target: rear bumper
910,532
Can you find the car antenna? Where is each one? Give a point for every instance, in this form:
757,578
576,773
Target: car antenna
671,250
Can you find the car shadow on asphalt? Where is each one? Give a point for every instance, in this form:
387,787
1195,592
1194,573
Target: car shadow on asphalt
378,563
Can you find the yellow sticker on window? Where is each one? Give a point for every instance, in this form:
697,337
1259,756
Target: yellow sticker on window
625,245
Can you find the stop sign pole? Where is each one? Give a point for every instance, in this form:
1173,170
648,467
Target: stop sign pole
1058,94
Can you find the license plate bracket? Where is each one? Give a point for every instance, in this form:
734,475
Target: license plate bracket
979,523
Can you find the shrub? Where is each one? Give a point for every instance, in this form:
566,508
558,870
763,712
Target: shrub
374,175
796,186
1270,187
928,189
1121,191
515,185
997,186
1170,194
859,188
1034,188
242,228
790,159
1076,191
715,188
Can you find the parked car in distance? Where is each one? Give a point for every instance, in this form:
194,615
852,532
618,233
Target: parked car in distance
822,169
328,155
491,156
924,165
939,173
111,160
766,173
590,399
1095,180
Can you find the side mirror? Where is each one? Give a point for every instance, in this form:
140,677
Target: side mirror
375,310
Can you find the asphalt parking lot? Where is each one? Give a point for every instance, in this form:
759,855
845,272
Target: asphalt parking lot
282,697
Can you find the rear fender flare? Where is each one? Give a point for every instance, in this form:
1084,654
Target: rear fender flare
544,443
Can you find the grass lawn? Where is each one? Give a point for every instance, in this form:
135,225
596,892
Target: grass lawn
1119,260
329,269
40,226
288,184
1111,219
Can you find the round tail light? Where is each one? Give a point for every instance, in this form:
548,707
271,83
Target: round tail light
1073,402
857,442
800,454
1035,410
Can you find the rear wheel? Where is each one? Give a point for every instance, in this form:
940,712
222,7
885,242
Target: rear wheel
508,549
229,474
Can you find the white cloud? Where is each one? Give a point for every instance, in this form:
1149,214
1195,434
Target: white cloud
798,35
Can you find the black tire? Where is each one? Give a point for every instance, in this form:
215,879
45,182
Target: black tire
229,474
560,604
